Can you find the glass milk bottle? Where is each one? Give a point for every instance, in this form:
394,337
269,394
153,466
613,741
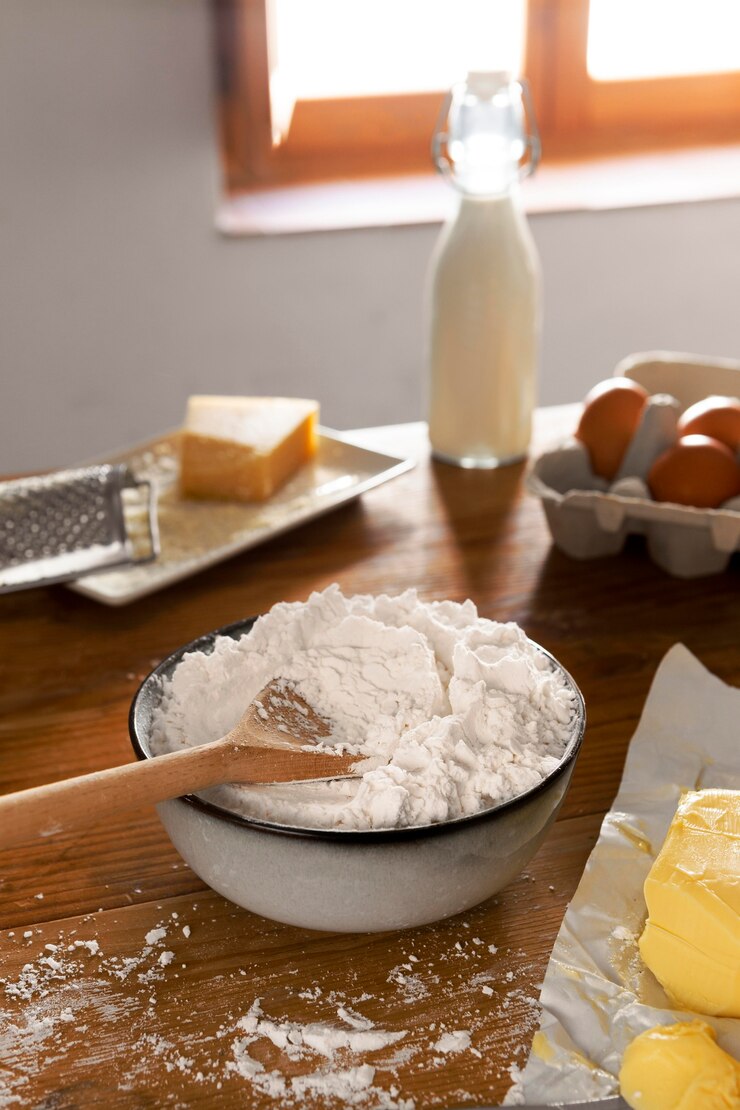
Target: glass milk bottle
483,285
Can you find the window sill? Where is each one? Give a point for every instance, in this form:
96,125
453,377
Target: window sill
633,181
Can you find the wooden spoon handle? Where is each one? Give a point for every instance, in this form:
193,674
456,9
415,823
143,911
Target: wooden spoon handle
44,810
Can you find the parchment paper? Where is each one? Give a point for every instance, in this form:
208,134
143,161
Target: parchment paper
597,994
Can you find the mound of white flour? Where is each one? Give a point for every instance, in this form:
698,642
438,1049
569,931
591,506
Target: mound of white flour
452,712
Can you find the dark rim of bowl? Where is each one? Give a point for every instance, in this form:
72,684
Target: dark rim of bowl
205,643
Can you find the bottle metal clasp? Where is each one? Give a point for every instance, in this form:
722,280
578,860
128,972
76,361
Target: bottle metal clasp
532,147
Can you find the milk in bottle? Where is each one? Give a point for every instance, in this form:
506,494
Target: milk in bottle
483,286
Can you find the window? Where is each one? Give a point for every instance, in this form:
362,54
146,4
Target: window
324,89
621,75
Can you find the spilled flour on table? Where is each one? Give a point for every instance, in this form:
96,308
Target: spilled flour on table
354,1035
72,1001
456,1041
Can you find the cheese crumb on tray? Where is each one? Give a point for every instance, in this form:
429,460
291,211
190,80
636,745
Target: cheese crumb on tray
244,448
691,940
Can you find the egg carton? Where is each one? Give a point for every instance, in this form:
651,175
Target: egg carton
589,518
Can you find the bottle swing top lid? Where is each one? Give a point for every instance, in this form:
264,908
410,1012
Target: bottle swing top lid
486,137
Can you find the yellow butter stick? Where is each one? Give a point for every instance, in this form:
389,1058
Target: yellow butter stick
691,941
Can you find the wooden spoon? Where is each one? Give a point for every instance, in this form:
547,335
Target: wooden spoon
268,745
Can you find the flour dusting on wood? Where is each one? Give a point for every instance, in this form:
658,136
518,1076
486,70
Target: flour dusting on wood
82,995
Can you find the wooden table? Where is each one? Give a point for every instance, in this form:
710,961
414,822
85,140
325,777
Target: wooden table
123,1026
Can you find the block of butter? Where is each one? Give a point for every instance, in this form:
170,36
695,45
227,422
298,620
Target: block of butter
691,940
679,1067
244,448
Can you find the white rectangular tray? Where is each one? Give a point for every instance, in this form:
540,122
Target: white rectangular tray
196,534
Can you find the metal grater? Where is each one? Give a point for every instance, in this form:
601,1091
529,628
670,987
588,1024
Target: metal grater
71,523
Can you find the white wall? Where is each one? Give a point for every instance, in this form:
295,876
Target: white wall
118,299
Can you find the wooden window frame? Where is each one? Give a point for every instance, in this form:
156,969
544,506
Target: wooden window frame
579,115
381,135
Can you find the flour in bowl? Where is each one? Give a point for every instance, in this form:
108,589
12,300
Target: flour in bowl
450,712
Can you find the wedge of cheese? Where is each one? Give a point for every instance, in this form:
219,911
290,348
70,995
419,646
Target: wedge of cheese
691,941
244,448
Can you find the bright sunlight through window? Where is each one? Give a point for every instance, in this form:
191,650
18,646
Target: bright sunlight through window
630,39
348,48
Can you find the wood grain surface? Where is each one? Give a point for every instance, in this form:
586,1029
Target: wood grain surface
103,1015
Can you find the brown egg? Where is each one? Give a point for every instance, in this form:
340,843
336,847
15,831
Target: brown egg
698,471
718,417
611,413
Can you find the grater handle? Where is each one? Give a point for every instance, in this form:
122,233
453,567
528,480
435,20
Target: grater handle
152,522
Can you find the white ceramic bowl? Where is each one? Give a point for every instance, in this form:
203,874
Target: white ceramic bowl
355,881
